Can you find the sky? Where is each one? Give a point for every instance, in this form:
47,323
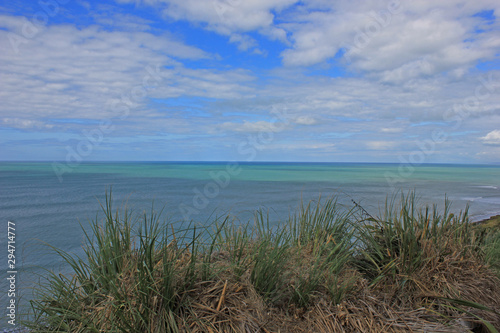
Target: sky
250,80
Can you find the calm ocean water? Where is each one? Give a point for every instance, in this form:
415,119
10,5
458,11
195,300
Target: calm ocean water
47,207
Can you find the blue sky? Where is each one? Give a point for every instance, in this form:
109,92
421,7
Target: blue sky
254,80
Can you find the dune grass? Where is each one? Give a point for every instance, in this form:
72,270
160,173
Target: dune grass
327,268
489,231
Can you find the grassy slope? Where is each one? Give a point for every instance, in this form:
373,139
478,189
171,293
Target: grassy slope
493,222
325,269
490,228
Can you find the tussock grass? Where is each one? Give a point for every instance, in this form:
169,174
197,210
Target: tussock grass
489,231
492,250
327,268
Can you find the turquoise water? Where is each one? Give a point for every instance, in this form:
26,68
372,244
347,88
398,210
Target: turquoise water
48,205
291,172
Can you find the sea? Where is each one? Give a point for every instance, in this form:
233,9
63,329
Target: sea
50,204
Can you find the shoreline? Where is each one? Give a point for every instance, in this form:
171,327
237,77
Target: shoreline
491,222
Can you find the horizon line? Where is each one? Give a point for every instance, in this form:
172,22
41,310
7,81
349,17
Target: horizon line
250,162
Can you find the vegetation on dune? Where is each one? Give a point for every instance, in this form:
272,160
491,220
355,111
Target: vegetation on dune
325,269
489,230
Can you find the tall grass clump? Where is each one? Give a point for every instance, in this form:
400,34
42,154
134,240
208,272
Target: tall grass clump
489,232
421,256
270,259
492,250
130,279
323,240
406,236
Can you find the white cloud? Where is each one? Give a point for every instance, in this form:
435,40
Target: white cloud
25,123
492,138
380,145
305,120
73,74
66,72
231,18
325,147
391,130
251,127
418,39
223,16
244,42
124,22
395,40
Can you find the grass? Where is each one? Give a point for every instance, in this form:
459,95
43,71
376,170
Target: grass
489,230
405,238
326,268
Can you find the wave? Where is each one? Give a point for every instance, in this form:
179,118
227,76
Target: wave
492,187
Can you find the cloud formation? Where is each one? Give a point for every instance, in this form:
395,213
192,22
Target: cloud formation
492,138
363,81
